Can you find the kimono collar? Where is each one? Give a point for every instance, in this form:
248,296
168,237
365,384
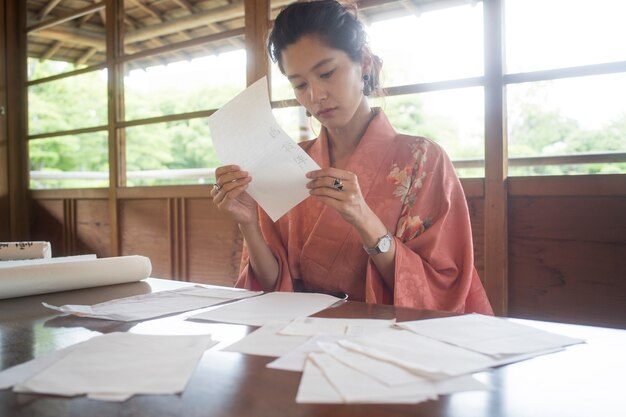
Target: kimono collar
368,156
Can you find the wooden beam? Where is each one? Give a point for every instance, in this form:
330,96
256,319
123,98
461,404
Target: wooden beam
85,57
47,9
496,230
569,186
150,10
202,18
51,51
62,19
117,156
185,4
16,119
5,213
257,18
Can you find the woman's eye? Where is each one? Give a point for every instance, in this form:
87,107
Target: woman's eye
299,86
327,74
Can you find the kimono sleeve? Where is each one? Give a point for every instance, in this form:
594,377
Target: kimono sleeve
434,260
247,278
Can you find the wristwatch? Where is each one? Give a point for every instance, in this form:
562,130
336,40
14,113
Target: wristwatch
383,245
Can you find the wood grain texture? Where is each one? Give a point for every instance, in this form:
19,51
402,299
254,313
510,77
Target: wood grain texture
93,228
568,259
48,224
144,231
477,217
213,244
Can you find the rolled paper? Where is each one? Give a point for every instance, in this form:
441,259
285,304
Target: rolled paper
12,251
21,278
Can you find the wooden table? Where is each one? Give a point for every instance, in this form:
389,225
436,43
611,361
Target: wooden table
584,380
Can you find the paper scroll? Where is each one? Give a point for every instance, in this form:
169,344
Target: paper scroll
21,278
24,250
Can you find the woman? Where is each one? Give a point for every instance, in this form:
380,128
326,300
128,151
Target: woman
387,220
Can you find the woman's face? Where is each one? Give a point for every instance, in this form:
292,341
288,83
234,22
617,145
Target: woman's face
325,80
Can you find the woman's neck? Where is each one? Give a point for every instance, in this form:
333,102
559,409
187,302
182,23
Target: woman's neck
343,141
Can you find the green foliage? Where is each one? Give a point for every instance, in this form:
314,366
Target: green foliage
80,101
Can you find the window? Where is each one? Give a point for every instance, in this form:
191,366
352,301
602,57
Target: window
566,82
428,52
67,97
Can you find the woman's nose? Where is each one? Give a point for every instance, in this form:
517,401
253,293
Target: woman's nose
318,92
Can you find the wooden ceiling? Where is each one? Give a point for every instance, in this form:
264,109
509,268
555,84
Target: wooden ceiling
74,30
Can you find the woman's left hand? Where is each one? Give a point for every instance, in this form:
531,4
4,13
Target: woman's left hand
340,190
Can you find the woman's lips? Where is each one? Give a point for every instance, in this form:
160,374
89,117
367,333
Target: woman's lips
326,112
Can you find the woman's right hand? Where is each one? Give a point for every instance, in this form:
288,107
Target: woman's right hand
230,196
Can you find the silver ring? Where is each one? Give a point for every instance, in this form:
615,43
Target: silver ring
217,187
337,184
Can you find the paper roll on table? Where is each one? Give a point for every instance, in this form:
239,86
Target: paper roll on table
24,250
41,276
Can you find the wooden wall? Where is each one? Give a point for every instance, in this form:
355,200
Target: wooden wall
567,255
186,238
567,241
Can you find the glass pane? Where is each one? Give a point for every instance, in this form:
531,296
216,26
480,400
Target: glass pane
436,45
567,117
69,103
183,86
295,123
170,153
563,33
77,161
281,87
67,46
452,118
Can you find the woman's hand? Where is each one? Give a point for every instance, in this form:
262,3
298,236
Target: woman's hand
230,196
340,190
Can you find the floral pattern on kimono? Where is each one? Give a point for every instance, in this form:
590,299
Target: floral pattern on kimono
410,184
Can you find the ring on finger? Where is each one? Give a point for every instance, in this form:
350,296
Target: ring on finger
338,184
217,187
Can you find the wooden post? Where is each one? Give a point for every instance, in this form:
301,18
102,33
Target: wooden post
117,156
257,17
16,118
496,195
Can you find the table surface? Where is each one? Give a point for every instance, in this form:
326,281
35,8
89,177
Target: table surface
583,380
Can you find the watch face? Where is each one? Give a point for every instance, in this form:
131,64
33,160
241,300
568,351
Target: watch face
384,244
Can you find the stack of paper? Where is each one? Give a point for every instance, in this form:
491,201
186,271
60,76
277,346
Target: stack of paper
402,366
147,306
112,367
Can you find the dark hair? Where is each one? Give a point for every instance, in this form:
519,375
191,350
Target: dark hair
334,23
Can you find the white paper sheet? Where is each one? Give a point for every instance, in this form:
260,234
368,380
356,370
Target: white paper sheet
117,365
383,371
24,250
354,386
314,388
422,355
265,341
50,275
489,335
245,133
295,359
146,306
310,326
274,306
19,373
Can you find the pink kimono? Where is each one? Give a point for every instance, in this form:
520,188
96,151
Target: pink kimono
410,184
